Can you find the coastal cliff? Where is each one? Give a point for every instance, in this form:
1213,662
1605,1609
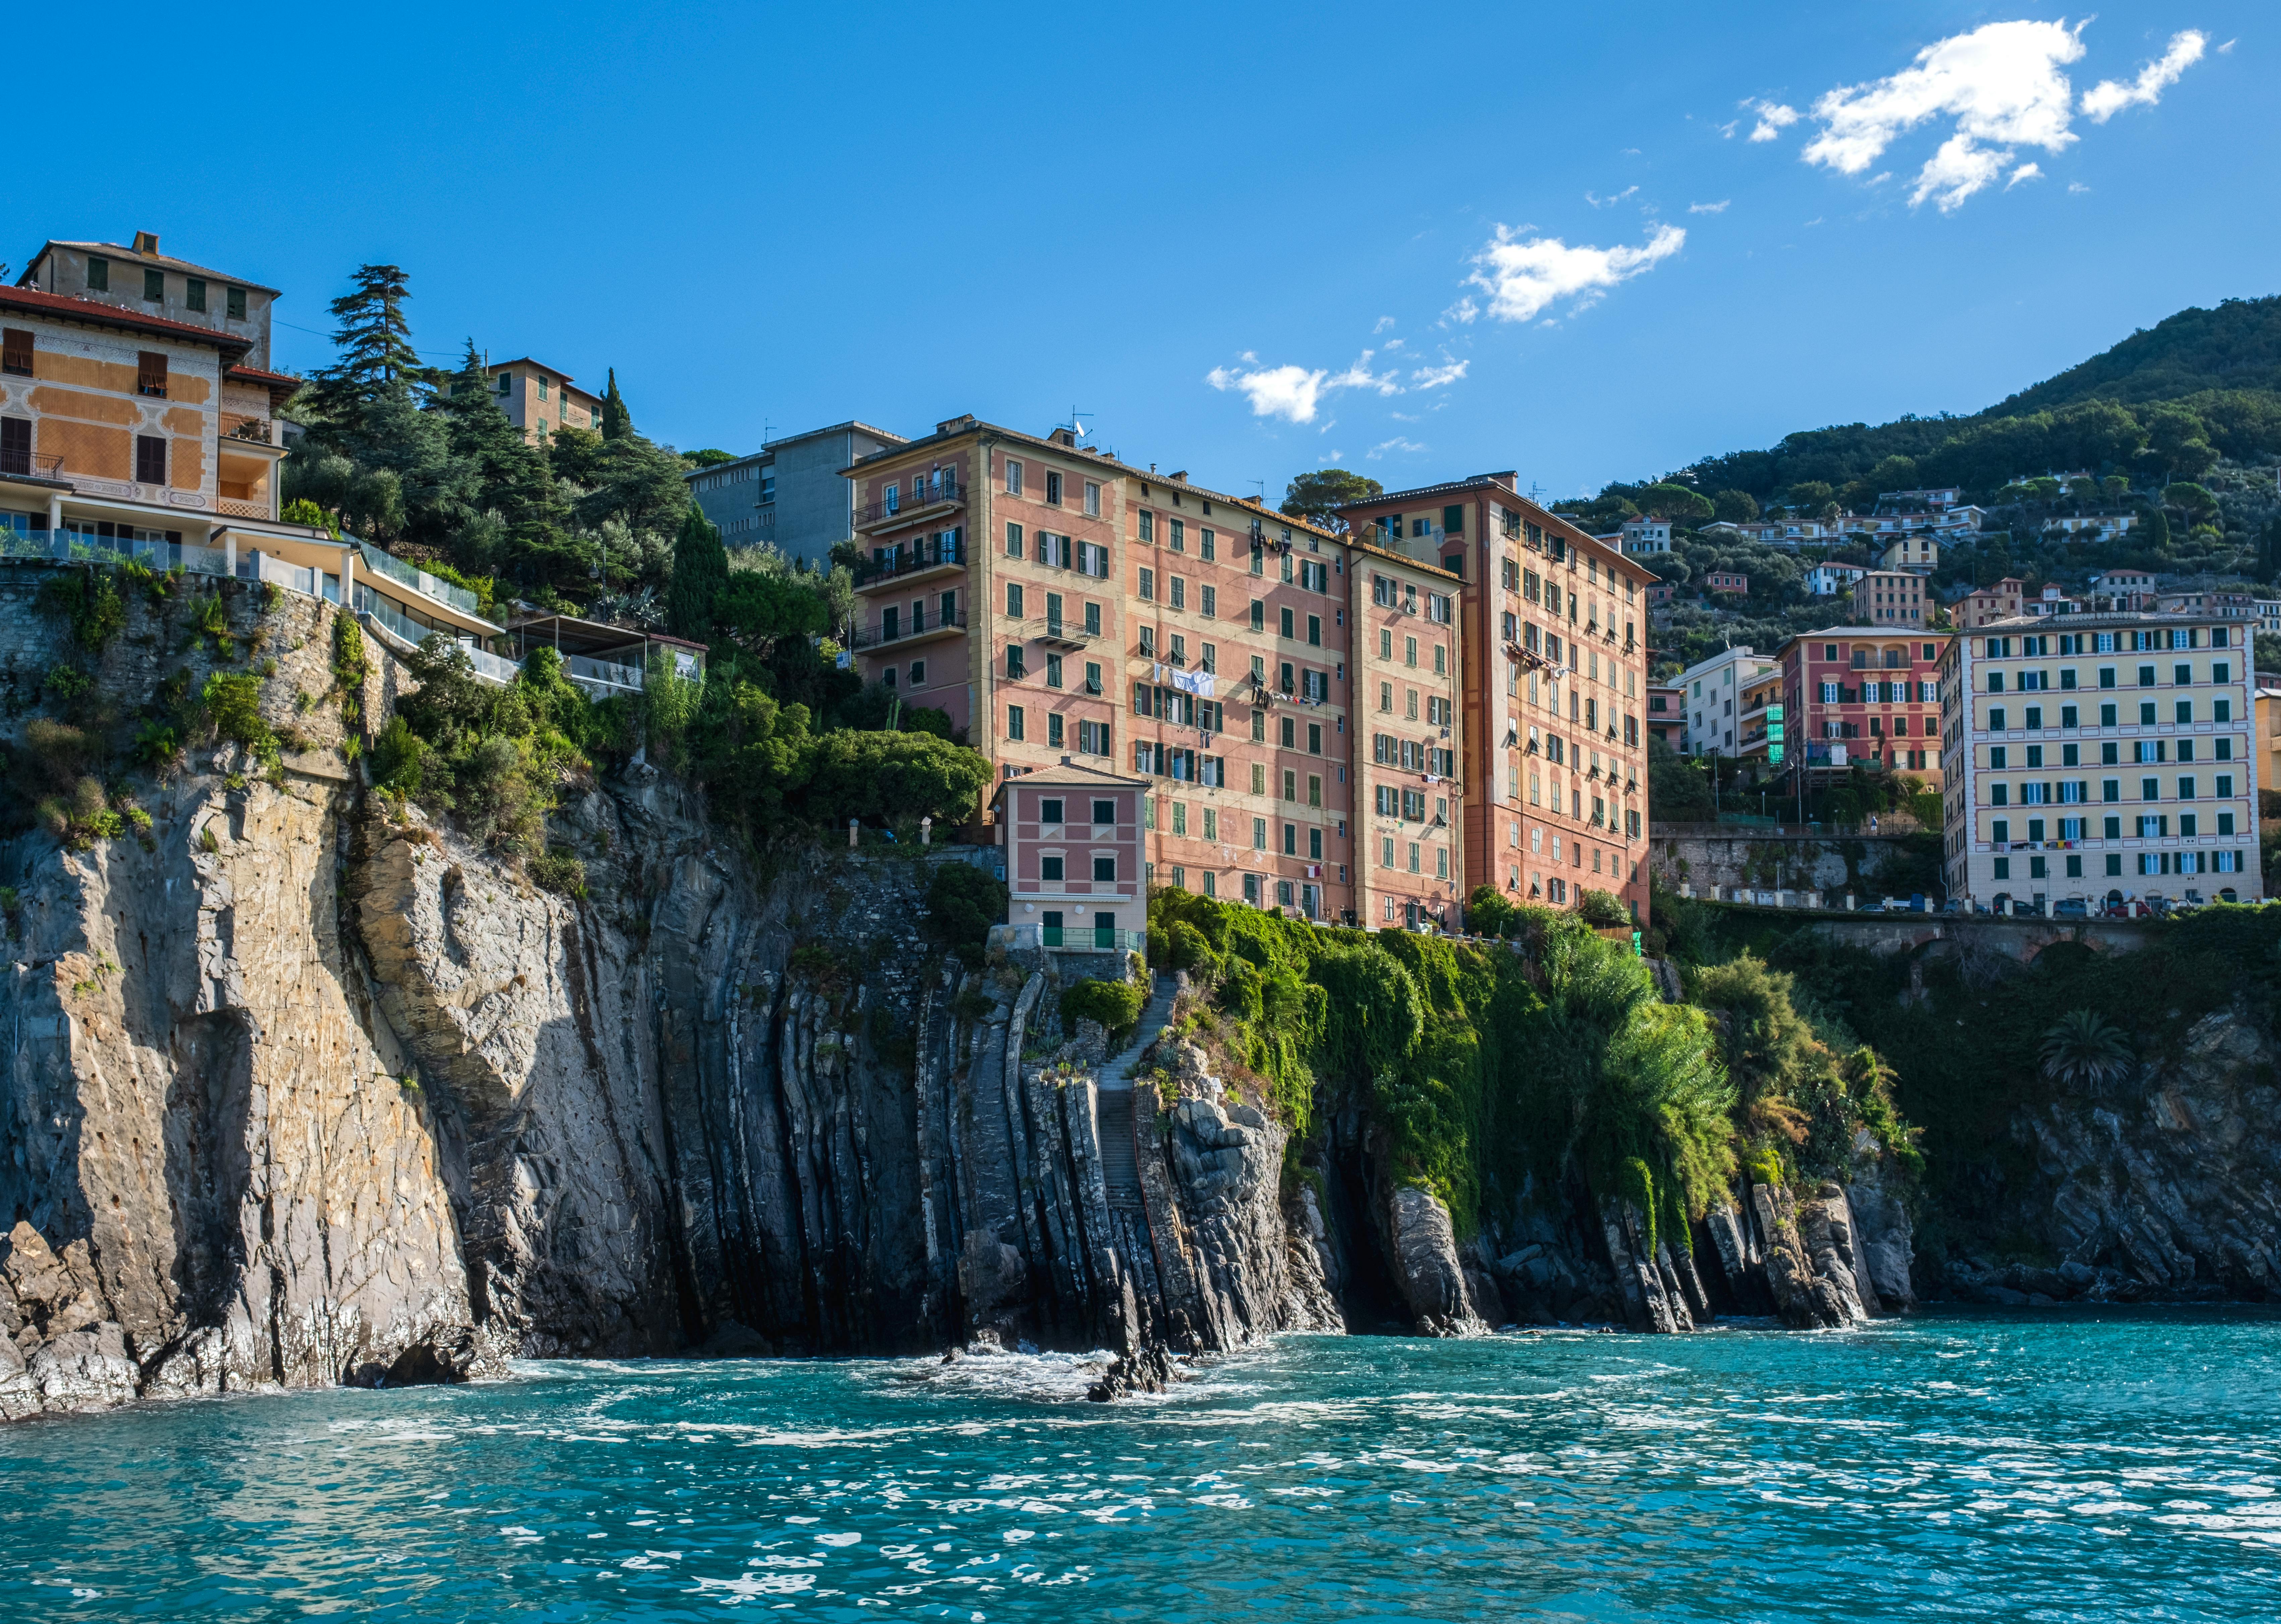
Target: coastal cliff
303,1087
306,1089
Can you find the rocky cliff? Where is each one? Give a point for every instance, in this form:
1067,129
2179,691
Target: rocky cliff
302,1088
305,1089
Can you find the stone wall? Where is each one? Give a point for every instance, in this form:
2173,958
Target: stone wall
1716,859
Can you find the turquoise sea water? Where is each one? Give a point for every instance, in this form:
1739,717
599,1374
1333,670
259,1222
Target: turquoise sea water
2065,1466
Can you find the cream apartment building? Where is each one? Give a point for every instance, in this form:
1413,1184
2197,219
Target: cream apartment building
2111,760
130,432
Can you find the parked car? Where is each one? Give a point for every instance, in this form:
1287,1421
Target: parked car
2072,908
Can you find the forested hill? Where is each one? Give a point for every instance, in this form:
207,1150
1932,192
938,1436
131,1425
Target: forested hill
2165,403
2237,346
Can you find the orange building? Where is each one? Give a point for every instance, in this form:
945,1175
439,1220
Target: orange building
1550,779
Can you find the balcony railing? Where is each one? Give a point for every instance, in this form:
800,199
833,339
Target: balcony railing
65,548
909,560
1068,634
407,575
919,625
1084,939
31,465
943,492
258,430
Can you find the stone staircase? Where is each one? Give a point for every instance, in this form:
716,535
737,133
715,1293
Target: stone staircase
1112,1111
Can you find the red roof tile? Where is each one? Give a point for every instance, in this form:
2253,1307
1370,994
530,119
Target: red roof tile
111,315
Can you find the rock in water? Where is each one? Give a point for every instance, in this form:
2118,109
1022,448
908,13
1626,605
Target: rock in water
1425,1254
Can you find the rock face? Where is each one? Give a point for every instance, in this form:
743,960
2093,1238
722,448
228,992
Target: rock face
1423,1246
2164,1184
305,1092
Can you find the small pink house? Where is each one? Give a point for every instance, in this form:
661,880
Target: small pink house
1074,859
1727,581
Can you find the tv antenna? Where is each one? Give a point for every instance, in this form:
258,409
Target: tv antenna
1076,424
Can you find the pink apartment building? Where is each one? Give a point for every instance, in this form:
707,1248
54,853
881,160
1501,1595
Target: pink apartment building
1056,601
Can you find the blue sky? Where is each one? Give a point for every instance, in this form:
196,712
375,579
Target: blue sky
1244,241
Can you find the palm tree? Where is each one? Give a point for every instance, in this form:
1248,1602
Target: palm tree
2083,1049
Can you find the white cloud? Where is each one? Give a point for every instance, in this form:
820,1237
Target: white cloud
2005,85
1609,202
1719,207
1524,277
1288,392
1383,323
1464,311
1360,376
1774,118
1392,344
1727,130
2227,49
1333,455
1434,377
1295,393
2109,96
1397,444
2078,186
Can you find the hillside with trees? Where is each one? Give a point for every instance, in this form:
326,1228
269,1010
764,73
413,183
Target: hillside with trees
423,463
2176,427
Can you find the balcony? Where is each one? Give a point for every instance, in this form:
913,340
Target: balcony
31,465
940,497
905,563
1061,634
406,575
249,431
921,626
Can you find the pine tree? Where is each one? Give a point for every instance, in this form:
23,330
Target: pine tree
700,571
617,423
375,340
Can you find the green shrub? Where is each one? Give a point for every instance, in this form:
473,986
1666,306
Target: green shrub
962,902
81,818
1603,908
558,871
57,753
1114,1004
399,758
233,705
67,682
90,599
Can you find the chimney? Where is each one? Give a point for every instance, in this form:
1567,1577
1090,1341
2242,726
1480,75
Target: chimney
146,241
1065,760
1179,476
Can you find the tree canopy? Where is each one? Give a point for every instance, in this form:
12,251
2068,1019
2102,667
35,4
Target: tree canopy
1318,494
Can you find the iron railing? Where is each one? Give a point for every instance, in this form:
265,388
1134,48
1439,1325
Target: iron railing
938,493
31,465
919,624
904,559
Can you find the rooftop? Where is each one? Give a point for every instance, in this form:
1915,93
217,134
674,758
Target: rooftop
957,428
68,308
853,425
525,360
152,256
1076,773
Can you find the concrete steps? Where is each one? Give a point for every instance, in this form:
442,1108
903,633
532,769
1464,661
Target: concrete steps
1112,1109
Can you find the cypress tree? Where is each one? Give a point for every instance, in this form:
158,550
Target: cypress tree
700,571
617,423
